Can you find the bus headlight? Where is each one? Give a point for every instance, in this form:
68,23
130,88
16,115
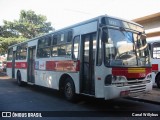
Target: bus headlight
117,79
110,79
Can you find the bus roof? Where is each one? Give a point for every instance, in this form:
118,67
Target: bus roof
78,24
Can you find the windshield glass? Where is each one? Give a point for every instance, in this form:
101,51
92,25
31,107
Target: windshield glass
125,48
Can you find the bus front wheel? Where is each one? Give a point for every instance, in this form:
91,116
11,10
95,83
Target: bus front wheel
69,90
158,81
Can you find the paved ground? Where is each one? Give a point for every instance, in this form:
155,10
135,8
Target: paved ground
152,96
34,98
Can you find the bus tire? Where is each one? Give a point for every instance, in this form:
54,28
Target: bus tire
158,81
19,80
69,90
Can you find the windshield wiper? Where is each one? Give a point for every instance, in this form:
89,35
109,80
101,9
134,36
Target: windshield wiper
122,29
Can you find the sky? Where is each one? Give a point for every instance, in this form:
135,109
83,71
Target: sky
62,13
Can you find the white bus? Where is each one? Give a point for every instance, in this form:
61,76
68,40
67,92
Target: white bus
155,60
104,57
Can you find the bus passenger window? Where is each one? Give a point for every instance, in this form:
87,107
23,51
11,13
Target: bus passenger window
21,52
54,42
61,50
68,49
156,52
69,37
54,51
76,47
43,50
10,54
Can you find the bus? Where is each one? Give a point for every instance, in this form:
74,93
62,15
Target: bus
155,60
104,57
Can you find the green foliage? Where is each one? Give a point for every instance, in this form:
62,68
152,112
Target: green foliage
5,42
29,25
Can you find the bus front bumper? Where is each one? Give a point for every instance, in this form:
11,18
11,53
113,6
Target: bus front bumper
112,92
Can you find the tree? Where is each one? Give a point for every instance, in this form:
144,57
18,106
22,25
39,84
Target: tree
28,25
5,42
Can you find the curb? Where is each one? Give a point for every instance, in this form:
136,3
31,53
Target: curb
144,100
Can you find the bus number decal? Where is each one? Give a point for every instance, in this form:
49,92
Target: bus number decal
42,65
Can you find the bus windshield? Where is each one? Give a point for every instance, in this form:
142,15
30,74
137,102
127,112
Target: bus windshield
125,48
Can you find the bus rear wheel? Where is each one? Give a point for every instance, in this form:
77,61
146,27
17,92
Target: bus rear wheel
19,81
69,90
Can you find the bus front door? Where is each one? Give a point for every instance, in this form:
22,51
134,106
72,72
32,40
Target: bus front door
87,83
31,64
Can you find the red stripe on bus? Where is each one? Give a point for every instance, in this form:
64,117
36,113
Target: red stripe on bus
67,65
128,73
21,65
154,67
9,64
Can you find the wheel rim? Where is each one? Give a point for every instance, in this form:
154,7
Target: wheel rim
68,90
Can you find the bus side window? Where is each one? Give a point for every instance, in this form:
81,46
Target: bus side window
10,54
54,51
43,50
54,41
69,36
156,50
76,47
61,52
21,52
68,49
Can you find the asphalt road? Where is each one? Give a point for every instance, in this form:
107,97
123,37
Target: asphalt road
37,99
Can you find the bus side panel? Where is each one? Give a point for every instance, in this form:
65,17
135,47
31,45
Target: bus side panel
23,74
100,74
155,70
153,78
9,68
50,79
21,66
22,71
46,79
9,72
75,77
86,28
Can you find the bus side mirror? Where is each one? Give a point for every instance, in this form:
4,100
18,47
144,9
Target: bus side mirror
104,37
